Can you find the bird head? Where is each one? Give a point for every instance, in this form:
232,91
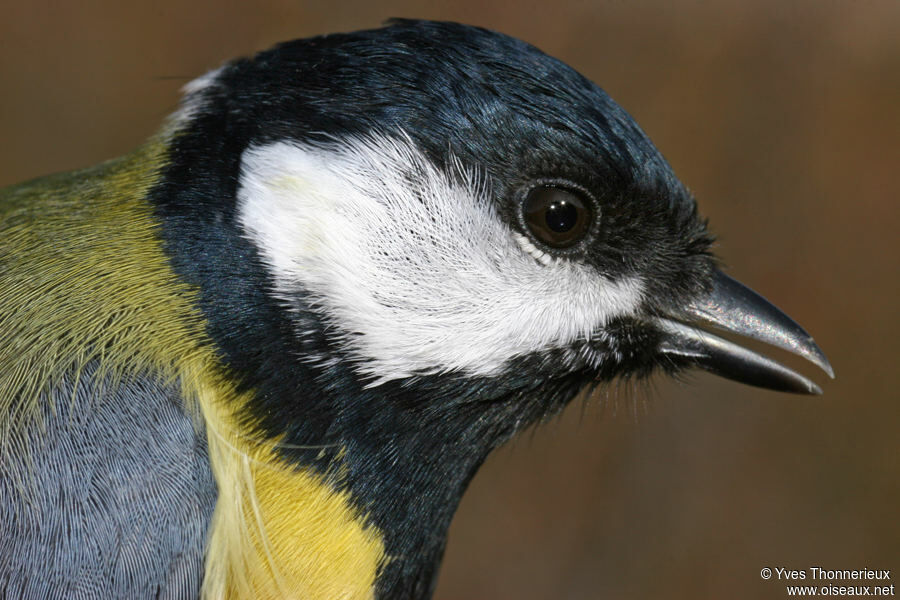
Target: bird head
412,242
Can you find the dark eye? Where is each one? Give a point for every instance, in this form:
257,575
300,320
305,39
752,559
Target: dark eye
556,216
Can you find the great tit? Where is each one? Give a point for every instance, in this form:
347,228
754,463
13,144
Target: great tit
263,355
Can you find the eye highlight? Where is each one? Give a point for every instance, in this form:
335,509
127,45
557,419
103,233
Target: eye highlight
557,216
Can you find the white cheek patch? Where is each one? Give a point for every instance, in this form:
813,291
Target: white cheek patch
412,267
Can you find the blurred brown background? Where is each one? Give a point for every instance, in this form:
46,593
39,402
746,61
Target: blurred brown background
784,118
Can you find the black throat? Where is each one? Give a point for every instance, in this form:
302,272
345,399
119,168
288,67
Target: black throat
406,449
411,449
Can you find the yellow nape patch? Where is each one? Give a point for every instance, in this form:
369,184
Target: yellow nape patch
85,280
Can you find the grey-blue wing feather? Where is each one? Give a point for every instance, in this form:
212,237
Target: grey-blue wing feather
111,498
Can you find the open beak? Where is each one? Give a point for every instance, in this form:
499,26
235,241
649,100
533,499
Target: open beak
735,308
